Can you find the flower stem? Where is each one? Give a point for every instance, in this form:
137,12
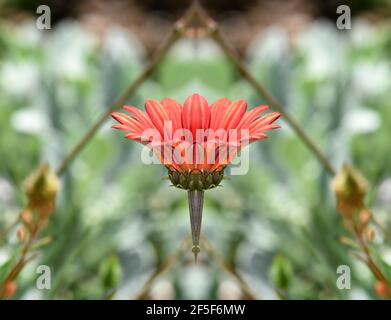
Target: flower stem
17,268
196,202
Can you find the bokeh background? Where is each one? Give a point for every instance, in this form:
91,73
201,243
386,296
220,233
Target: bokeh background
117,219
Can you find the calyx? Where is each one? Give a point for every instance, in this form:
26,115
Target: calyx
196,179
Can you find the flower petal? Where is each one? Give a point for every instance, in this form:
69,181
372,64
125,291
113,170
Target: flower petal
157,113
250,116
261,122
261,125
233,114
217,111
140,116
127,121
174,111
195,114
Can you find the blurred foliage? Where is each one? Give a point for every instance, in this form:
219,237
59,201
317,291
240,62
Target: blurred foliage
281,272
117,218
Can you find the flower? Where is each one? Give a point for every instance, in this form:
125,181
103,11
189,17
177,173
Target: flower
195,141
196,138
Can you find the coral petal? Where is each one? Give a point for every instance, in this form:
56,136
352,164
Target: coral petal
265,120
217,110
157,113
174,111
195,114
140,115
233,114
250,116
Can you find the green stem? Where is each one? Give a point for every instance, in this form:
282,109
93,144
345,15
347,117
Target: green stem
196,202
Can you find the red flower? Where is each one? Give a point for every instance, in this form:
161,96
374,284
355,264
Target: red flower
196,137
195,141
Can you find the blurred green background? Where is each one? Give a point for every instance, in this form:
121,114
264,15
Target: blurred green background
117,218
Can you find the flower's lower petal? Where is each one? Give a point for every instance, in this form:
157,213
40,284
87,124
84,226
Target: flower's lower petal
140,115
263,121
128,121
250,116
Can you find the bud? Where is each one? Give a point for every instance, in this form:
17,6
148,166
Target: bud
27,218
10,289
365,216
41,188
363,220
20,234
370,234
381,289
350,188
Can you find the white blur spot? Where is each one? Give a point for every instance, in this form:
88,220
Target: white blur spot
195,282
228,290
362,121
29,121
6,191
358,294
360,33
315,43
384,193
19,79
122,45
371,79
270,44
206,49
162,290
4,256
68,50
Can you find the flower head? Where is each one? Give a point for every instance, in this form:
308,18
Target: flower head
195,141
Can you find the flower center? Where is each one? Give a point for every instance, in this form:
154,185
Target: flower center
196,179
